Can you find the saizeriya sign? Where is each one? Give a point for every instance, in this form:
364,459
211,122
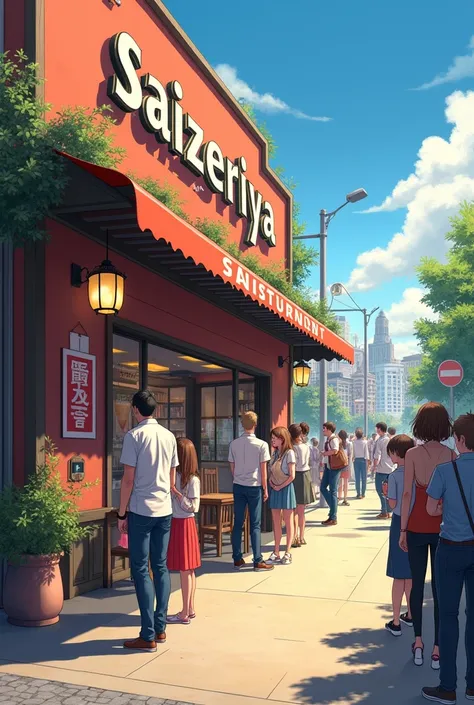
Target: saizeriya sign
161,114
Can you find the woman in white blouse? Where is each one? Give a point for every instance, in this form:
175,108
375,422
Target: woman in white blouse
361,462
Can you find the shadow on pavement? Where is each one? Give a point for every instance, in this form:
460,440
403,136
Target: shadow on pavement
381,672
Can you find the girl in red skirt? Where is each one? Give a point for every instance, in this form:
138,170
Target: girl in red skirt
184,553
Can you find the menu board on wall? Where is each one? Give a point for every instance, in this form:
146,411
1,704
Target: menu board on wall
78,395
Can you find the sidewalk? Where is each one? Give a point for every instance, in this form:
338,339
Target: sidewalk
312,632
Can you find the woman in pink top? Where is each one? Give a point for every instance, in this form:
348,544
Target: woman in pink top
419,533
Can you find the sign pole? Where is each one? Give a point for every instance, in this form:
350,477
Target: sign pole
451,394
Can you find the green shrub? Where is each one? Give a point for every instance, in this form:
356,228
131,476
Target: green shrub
42,517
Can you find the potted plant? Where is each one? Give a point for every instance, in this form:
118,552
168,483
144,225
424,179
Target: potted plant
39,523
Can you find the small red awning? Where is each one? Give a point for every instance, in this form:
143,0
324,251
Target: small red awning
155,217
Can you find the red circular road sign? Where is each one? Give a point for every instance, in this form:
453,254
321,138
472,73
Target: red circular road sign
450,373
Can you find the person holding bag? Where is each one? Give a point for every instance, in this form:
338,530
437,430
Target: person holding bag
282,495
336,462
451,495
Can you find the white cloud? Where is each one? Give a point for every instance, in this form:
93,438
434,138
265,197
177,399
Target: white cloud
443,177
462,67
406,347
266,102
404,313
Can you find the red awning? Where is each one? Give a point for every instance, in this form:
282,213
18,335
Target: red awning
155,217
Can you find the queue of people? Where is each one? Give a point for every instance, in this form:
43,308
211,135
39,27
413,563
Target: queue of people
425,488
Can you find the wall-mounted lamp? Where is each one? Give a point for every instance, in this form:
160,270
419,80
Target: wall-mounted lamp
105,285
301,371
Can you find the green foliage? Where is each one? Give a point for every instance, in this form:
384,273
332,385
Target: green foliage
408,417
272,146
42,517
449,292
32,176
163,192
306,408
86,134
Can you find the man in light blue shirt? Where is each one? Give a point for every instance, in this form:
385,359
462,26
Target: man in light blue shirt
454,560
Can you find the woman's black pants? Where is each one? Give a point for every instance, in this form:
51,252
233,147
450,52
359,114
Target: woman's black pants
418,547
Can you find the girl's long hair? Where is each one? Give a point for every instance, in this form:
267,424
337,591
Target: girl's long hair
343,436
188,460
283,433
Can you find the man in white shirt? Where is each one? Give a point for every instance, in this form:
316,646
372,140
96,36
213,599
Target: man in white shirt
248,458
150,458
331,478
383,467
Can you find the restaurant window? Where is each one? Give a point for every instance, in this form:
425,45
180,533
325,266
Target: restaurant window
217,425
126,381
168,389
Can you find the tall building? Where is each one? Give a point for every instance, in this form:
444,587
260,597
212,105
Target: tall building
343,388
345,327
390,388
358,393
381,350
410,362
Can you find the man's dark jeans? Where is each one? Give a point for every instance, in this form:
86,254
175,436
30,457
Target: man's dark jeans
148,539
380,478
360,471
329,488
250,497
455,569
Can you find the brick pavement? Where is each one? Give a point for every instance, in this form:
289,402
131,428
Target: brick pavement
15,690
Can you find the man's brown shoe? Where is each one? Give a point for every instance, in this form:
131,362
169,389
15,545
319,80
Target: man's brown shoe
260,567
140,645
331,522
382,516
469,694
238,565
438,695
161,638
325,523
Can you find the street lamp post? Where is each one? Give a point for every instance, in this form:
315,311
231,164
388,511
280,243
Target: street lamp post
324,220
337,290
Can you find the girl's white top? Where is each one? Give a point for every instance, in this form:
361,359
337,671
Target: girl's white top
188,505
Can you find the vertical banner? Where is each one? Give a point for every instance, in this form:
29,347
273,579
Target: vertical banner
79,395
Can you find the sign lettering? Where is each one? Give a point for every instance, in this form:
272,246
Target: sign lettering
161,114
79,395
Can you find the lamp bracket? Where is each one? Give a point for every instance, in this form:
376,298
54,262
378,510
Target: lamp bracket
282,360
76,275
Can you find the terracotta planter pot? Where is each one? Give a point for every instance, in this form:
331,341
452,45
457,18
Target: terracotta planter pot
33,593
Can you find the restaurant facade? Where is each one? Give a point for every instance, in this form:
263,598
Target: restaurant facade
208,336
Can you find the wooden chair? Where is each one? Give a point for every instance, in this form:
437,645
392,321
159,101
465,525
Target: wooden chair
216,520
209,481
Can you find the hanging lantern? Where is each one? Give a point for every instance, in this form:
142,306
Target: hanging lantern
105,285
301,373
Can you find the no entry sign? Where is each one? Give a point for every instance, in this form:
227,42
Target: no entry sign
450,373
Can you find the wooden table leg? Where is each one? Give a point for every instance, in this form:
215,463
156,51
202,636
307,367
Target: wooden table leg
219,531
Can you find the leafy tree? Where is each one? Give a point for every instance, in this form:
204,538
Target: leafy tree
407,418
450,293
32,176
306,408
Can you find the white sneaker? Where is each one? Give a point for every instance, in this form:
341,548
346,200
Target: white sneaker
287,559
274,558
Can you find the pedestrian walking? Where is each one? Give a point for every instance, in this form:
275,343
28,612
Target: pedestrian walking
184,554
315,466
419,533
346,472
371,446
303,489
398,565
282,494
336,461
383,467
451,493
305,431
248,458
361,462
150,458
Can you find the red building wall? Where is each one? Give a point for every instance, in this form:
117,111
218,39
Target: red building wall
155,304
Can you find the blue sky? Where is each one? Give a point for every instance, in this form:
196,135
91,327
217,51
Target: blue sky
358,64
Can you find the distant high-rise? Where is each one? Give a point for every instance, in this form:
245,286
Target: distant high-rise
345,327
410,362
381,351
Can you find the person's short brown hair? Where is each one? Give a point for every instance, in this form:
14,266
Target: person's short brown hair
330,426
295,430
359,433
304,428
464,426
249,420
382,426
432,423
400,445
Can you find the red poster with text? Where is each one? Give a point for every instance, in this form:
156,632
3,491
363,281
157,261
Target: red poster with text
79,395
